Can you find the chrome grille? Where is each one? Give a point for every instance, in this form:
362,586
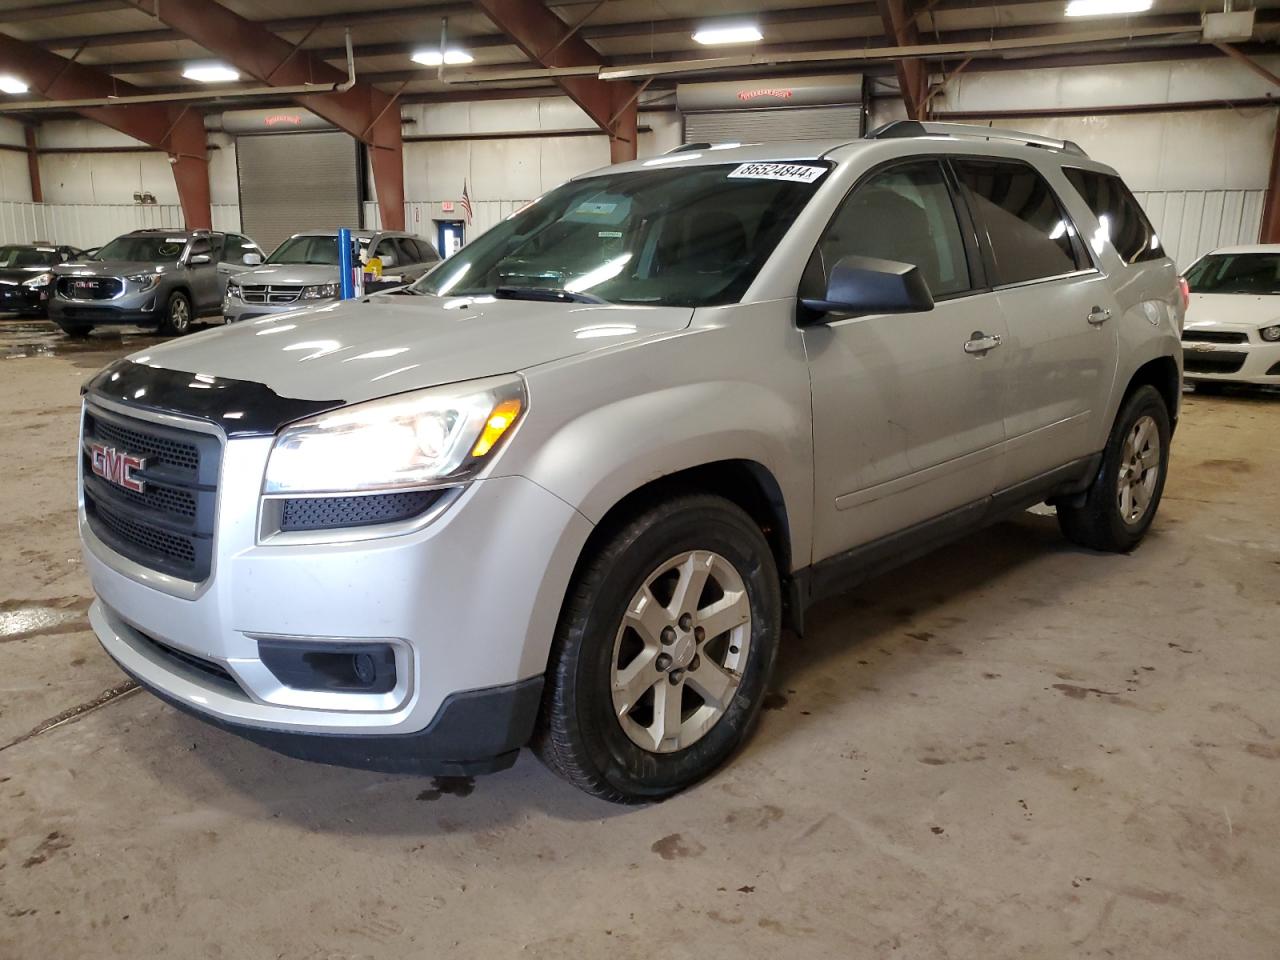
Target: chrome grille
168,525
270,293
89,288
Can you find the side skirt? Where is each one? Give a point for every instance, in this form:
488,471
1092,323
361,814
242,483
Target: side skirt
837,574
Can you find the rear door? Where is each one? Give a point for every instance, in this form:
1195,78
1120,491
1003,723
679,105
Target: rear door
1060,312
907,421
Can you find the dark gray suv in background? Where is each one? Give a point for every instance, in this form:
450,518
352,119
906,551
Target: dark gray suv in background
152,278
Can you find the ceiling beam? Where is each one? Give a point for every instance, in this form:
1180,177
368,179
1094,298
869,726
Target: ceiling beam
48,11
913,76
176,129
549,41
361,109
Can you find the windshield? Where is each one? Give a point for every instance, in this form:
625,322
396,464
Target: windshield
145,249
322,251
1236,273
26,257
666,237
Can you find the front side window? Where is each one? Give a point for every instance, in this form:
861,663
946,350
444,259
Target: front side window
1255,273
663,237
906,214
1119,217
143,249
1031,236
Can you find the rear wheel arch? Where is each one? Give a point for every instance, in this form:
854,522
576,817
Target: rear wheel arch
1161,373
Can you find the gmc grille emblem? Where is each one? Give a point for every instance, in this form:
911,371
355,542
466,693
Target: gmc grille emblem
116,466
84,284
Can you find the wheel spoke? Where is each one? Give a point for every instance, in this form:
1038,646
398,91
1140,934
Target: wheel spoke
1126,501
731,610
1150,458
1141,497
647,617
693,577
668,701
631,683
713,682
1140,433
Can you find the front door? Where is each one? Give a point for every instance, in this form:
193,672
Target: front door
907,417
206,284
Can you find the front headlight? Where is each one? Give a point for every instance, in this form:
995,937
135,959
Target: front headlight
233,289
1270,334
39,280
424,437
145,281
320,291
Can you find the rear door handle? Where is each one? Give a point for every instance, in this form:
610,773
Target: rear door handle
980,343
1099,315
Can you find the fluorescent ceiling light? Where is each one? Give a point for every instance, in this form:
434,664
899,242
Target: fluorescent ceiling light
743,33
1104,8
11,84
432,58
210,73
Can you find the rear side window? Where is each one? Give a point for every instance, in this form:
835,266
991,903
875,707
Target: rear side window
904,213
1031,236
1119,215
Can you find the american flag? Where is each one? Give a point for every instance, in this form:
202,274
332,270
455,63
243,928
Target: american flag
466,202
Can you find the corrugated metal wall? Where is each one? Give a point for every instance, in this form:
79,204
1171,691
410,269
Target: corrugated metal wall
1193,222
93,224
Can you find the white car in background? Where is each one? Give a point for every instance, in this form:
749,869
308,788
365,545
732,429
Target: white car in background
1232,331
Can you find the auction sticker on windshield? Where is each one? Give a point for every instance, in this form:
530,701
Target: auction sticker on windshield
797,172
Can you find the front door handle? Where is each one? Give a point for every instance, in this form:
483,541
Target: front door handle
981,343
1099,315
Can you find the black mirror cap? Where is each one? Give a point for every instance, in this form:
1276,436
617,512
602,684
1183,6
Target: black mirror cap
865,285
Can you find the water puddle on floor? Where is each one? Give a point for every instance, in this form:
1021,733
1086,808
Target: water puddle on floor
24,621
24,339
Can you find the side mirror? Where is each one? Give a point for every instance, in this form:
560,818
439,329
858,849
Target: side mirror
252,259
198,258
864,285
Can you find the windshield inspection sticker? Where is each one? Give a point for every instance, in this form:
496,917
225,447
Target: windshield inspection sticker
797,172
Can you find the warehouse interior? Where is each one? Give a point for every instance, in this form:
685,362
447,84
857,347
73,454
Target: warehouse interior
1011,746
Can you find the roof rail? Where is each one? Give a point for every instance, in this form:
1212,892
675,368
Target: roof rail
686,147
895,129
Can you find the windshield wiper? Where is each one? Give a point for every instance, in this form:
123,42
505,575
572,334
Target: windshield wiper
550,294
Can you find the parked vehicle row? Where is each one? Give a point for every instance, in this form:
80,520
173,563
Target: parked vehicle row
567,488
26,275
167,278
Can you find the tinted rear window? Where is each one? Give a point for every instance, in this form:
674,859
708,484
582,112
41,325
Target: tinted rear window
1118,213
1032,238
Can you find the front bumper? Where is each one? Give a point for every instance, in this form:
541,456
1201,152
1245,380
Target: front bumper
469,601
1252,362
15,298
143,309
235,310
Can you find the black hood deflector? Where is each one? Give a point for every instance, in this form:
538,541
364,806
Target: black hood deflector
241,408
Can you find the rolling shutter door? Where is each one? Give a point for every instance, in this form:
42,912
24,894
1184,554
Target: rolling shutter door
297,181
779,123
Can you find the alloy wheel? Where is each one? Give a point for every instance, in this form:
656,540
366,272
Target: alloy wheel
1139,470
679,654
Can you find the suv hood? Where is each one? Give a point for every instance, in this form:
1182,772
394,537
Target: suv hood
387,344
290,273
109,268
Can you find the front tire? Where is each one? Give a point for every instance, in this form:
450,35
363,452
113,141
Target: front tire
663,652
1121,503
177,315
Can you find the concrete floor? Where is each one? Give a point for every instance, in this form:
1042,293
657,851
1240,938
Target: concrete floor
1010,748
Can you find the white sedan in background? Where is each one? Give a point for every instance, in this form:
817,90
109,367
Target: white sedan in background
1232,330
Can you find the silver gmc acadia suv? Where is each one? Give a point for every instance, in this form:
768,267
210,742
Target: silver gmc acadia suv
567,489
